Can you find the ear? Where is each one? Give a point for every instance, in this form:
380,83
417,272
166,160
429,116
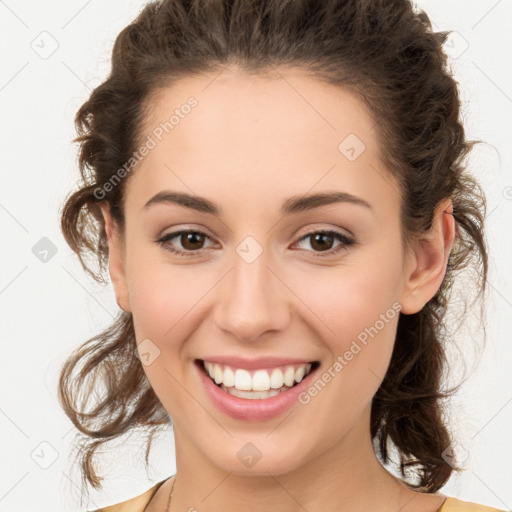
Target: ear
116,262
427,266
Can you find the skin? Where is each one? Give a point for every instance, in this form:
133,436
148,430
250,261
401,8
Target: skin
251,143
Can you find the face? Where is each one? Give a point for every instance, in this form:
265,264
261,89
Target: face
271,281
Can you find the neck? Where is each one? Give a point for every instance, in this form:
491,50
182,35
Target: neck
346,477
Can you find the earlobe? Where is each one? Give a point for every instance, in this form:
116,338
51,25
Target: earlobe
430,259
116,262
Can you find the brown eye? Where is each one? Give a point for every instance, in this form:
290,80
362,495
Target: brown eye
322,242
191,242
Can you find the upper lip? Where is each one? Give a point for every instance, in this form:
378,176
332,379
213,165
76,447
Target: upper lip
255,363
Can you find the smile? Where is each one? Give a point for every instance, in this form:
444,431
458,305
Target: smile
255,391
259,383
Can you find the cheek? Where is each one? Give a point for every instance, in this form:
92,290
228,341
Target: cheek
359,309
165,301
163,296
361,313
352,299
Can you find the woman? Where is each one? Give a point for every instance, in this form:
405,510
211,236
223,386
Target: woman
277,190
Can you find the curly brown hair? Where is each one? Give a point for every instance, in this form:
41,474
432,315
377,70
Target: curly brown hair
386,52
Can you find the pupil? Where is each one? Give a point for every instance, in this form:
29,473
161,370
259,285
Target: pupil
191,238
322,237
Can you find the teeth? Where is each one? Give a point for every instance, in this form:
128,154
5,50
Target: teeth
289,376
276,379
261,382
242,379
299,373
217,374
253,395
228,378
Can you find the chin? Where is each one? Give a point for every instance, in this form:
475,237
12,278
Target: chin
258,455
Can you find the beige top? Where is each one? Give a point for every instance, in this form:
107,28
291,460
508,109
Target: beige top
139,503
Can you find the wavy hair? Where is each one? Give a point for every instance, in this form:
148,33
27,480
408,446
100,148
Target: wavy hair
384,51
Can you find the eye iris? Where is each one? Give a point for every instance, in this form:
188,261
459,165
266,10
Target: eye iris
321,236
191,237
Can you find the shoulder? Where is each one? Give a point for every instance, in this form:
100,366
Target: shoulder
136,504
456,505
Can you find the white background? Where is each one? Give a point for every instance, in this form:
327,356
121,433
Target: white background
50,308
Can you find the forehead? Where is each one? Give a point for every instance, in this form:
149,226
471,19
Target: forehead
233,105
276,134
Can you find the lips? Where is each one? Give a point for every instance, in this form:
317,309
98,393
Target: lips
262,396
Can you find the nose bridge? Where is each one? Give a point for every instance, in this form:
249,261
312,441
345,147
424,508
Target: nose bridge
251,299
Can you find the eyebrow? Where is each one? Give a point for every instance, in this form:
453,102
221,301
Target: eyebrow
294,204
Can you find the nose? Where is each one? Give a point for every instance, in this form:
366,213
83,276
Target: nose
252,300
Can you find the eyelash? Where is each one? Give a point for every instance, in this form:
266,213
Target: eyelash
345,242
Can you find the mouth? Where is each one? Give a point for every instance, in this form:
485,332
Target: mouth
256,383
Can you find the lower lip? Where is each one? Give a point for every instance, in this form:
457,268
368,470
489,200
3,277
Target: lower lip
252,409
